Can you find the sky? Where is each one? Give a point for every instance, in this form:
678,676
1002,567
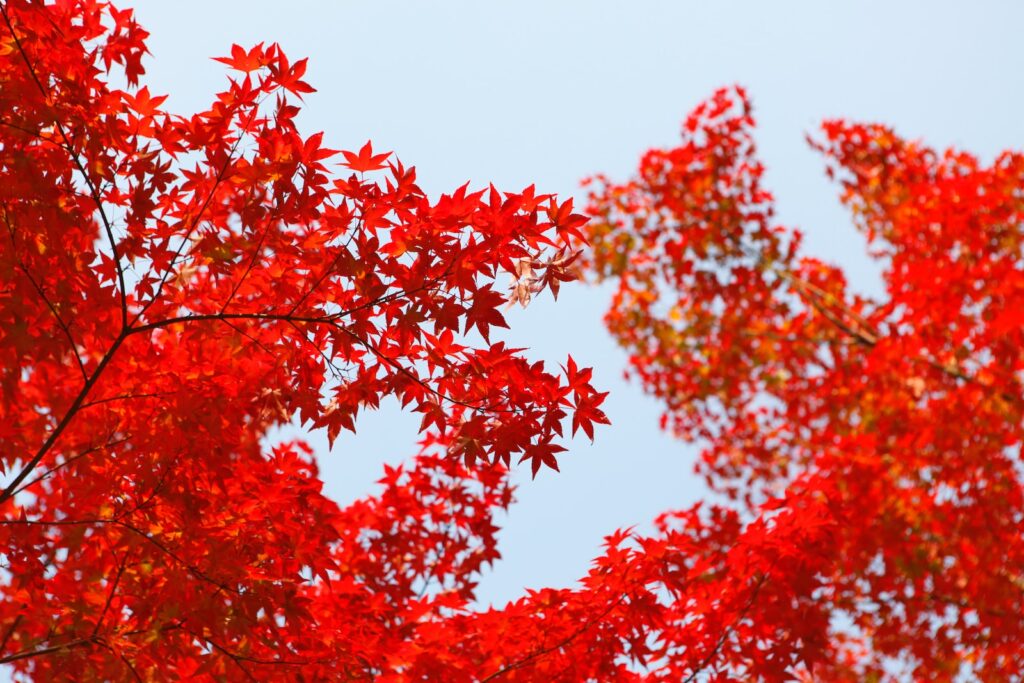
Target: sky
546,93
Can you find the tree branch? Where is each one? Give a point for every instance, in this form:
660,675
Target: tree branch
218,179
8,492
557,646
76,159
191,568
42,294
110,596
727,632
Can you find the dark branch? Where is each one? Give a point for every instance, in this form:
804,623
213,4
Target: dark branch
76,159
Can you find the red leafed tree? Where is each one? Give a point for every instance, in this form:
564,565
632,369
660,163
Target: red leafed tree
871,446
173,287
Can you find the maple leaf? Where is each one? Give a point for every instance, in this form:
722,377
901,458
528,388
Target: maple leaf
242,60
365,160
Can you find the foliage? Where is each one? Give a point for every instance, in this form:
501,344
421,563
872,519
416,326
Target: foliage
875,444
176,286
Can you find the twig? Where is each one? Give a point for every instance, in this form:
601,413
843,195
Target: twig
557,646
76,159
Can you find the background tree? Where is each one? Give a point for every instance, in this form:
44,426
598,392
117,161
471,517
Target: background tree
874,445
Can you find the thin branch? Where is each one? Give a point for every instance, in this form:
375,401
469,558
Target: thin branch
35,134
335,370
221,317
8,492
332,321
68,461
820,299
327,271
248,269
78,642
415,378
160,484
79,400
728,631
863,332
122,564
557,646
239,659
76,159
127,663
125,397
246,658
254,340
218,179
284,317
49,304
10,632
27,654
192,569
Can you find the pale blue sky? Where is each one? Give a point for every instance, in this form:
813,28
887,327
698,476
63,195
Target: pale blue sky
546,92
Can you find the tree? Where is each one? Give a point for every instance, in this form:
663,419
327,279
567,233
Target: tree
175,286
872,447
